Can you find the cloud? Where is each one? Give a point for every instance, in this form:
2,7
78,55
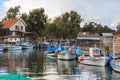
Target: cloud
114,23
100,11
1,15
52,7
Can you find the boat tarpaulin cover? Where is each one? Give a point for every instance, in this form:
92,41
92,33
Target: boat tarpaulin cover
13,77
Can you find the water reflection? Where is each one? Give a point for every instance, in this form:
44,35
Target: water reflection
66,67
34,64
99,72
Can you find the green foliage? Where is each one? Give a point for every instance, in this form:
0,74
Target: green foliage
13,12
93,27
1,31
36,21
118,27
64,26
73,20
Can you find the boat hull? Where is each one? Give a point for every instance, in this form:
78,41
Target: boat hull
115,65
102,61
66,56
28,47
14,48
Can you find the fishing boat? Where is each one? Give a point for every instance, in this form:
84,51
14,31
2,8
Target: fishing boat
66,54
52,52
27,45
44,45
114,61
14,47
95,58
115,64
1,48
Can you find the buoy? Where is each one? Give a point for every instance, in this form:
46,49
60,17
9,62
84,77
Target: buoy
78,51
56,53
81,59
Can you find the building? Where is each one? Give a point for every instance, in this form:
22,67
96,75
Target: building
117,43
107,43
86,40
14,30
102,40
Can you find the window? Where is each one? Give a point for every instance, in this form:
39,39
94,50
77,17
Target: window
21,27
17,27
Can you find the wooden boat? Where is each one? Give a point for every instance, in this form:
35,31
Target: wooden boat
95,58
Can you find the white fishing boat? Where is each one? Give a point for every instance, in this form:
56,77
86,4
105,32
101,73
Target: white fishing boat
95,58
66,54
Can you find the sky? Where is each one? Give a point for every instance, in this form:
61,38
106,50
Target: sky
105,12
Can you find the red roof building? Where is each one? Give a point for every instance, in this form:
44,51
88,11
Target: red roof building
14,29
9,23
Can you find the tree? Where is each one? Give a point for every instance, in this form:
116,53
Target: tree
89,27
24,16
99,28
13,12
74,20
107,29
51,30
118,27
65,17
36,21
1,31
62,28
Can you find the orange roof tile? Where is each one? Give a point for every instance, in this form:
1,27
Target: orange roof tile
9,23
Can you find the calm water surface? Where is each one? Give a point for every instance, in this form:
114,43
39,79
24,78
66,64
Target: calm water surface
37,66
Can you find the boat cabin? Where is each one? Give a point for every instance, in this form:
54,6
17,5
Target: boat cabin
94,52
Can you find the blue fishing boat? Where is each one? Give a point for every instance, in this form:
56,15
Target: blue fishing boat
14,47
115,63
27,45
1,48
67,53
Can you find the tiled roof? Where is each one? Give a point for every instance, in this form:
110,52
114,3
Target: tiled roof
9,23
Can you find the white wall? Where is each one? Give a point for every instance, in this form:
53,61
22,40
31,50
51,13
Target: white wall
19,23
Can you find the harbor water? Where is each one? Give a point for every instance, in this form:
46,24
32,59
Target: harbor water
35,64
